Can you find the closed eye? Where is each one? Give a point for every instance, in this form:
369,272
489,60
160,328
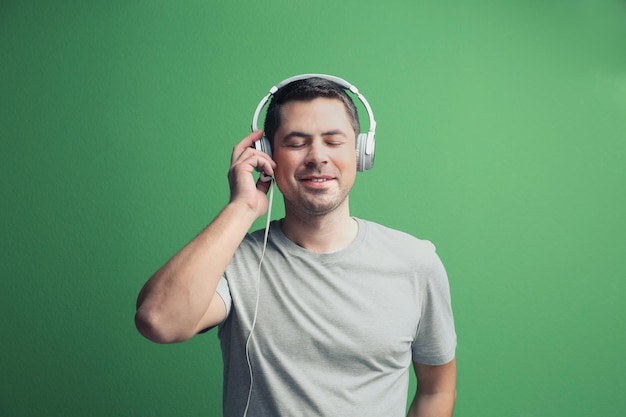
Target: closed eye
296,140
335,139
295,143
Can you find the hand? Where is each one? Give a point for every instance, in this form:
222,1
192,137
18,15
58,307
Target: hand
244,161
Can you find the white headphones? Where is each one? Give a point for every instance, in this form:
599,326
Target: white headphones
365,142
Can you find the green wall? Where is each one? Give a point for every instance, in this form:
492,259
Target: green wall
501,137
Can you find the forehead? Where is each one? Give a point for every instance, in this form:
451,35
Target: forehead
319,113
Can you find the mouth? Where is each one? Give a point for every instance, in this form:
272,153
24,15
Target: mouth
317,180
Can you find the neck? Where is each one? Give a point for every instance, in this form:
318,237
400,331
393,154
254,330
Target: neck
321,234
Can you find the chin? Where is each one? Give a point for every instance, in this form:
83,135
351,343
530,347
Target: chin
322,208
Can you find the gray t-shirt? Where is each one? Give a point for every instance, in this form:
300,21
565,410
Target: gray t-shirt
335,333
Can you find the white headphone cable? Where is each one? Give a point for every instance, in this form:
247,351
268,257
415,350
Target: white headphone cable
258,294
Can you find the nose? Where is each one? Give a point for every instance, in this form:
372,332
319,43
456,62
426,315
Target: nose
316,153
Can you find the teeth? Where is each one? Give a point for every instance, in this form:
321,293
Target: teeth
318,179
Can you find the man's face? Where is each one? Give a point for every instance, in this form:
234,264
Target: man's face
315,154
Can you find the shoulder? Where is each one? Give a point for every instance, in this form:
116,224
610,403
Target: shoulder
385,237
394,247
254,240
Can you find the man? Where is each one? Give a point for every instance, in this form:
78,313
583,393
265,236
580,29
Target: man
330,320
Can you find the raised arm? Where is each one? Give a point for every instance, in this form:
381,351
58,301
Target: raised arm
179,300
436,390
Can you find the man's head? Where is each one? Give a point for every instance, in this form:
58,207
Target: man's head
307,90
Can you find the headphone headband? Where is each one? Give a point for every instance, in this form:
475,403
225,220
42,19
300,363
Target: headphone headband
369,149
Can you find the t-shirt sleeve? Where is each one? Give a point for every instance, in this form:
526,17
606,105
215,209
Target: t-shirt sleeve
435,341
224,292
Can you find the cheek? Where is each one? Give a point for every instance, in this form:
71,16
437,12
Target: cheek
348,161
280,169
284,164
281,176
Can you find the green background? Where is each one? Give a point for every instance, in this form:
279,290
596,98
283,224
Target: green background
501,130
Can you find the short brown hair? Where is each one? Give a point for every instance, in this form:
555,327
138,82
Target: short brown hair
307,89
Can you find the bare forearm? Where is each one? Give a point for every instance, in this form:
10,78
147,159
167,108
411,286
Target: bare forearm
436,390
433,405
176,298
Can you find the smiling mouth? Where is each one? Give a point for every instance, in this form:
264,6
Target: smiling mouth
317,179
317,182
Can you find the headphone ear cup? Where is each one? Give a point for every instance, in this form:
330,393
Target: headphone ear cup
364,161
263,145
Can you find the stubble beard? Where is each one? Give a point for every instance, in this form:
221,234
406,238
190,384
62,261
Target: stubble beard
316,204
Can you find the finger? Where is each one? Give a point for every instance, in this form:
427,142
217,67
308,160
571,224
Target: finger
264,163
254,159
246,143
